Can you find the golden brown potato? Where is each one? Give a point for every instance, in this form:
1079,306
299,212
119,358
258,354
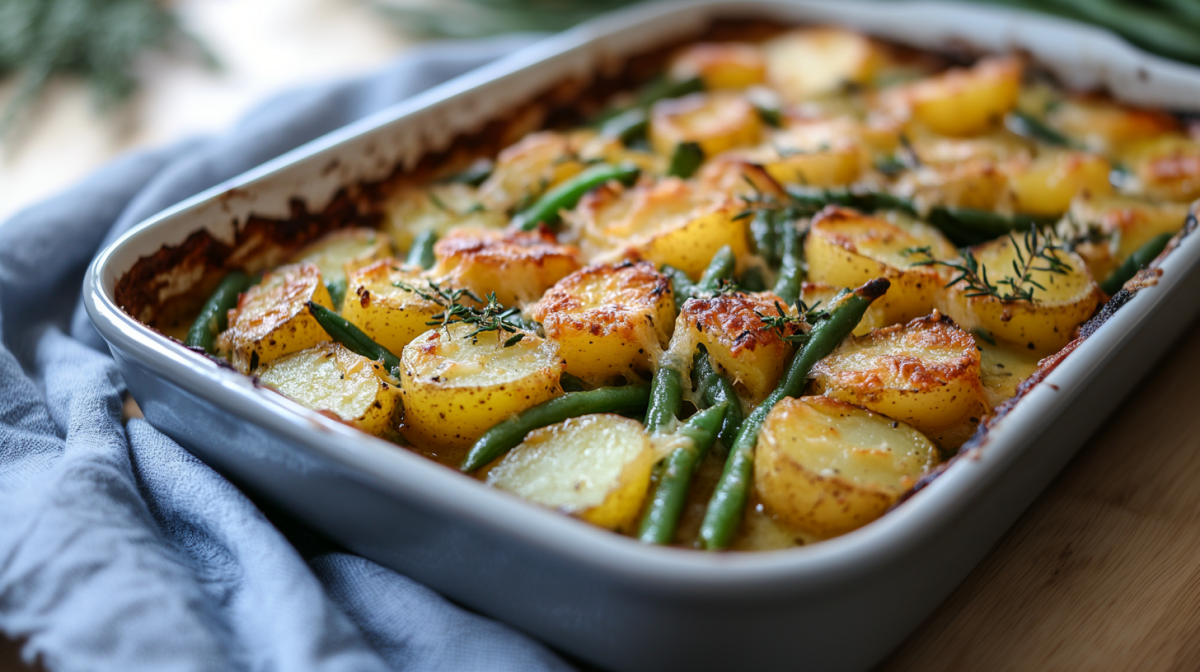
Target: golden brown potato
272,318
974,183
1003,368
716,121
828,467
722,65
810,62
457,387
925,373
596,467
528,168
331,378
820,296
518,266
966,101
438,208
391,315
846,248
1047,186
1061,303
333,252
1110,229
730,326
817,154
690,245
1168,167
1106,126
608,320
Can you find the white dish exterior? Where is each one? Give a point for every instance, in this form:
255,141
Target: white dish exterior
838,605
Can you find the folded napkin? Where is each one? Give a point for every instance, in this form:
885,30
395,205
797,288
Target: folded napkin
121,551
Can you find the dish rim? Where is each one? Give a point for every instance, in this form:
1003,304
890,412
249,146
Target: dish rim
683,573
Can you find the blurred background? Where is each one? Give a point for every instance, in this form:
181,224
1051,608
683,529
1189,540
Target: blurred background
82,81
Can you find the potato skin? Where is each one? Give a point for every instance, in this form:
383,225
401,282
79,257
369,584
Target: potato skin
846,248
272,318
608,320
966,101
1125,224
390,315
811,62
828,467
716,121
596,467
331,378
1168,167
456,388
1047,186
518,266
722,65
925,373
730,325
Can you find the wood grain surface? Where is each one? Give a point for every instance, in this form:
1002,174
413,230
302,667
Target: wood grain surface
1101,573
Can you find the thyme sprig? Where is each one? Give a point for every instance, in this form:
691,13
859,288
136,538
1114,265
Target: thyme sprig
1034,247
790,328
493,316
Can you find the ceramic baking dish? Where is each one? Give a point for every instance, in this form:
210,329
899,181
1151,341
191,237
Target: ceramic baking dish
838,605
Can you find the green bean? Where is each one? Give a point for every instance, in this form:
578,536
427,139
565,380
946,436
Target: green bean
567,194
345,332
713,389
765,233
791,269
1028,126
508,434
666,399
769,114
724,513
626,126
475,174
967,226
720,268
681,286
572,383
421,252
752,280
685,160
337,292
652,92
214,315
1168,36
666,503
810,200
1135,262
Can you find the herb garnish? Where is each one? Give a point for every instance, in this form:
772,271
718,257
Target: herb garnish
491,317
1033,247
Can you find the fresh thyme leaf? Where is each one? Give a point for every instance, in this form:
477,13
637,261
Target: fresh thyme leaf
1034,247
493,316
789,328
513,340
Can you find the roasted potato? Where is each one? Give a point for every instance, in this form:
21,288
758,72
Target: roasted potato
456,386
722,65
1046,186
518,266
531,166
716,121
974,183
731,326
819,295
829,467
690,245
1167,167
345,247
331,378
925,373
437,207
846,248
1002,369
810,62
1105,126
1107,230
1061,300
272,318
608,320
596,467
817,154
966,101
387,312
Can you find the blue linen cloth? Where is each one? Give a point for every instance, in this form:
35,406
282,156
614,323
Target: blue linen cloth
121,551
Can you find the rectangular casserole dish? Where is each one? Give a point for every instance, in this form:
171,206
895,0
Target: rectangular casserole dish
839,605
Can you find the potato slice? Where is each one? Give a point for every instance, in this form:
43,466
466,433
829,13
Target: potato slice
730,325
802,64
331,378
1042,326
846,248
820,295
518,266
818,154
974,183
966,101
722,65
689,246
1002,369
925,373
531,166
1047,186
728,177
1106,126
716,121
1168,167
457,387
272,318
608,320
390,315
828,467
354,247
439,208
1110,229
596,467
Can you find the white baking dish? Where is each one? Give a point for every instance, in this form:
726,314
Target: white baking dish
838,605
